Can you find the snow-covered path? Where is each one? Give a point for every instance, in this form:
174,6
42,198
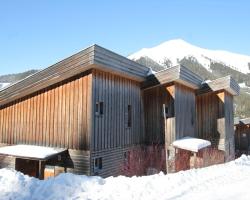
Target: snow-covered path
226,181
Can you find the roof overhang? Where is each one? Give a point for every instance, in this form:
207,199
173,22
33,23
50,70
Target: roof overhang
31,152
179,74
93,57
238,121
226,83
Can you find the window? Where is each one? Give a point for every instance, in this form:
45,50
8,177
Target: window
244,135
99,108
129,116
98,164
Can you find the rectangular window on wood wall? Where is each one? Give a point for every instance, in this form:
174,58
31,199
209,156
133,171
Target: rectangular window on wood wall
129,116
99,108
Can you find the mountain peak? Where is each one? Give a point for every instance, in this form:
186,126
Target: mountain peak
177,49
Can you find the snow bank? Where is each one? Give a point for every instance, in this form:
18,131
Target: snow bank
226,181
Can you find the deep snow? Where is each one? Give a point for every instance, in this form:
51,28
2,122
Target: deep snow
226,181
178,49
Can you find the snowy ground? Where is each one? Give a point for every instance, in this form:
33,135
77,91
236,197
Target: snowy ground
227,181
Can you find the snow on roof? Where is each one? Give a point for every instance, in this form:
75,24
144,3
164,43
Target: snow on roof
30,151
191,144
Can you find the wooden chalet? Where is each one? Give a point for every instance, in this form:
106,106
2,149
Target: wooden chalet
242,136
98,107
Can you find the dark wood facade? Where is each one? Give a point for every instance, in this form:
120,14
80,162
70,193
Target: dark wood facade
215,117
242,136
112,136
179,105
100,106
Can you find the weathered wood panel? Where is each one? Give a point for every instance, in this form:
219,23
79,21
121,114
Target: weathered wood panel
180,120
242,138
185,111
215,120
112,161
154,99
57,116
110,129
207,106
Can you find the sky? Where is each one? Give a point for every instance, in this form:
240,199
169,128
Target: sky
37,34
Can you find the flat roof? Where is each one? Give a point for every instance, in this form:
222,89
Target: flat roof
191,144
238,121
226,83
31,152
93,57
179,73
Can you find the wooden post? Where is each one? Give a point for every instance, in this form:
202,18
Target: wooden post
195,160
40,170
166,146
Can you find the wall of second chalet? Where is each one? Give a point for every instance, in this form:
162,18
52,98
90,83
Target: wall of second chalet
58,116
154,98
110,130
215,120
180,119
185,111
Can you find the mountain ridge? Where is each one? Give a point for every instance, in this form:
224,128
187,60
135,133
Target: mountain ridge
162,58
178,49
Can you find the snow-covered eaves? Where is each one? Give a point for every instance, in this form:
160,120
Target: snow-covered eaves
31,152
179,73
226,83
191,144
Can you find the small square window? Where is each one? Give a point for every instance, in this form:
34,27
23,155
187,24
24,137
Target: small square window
98,164
99,108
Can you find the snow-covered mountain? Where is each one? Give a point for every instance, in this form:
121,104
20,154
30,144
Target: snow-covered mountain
8,79
2,85
209,64
176,50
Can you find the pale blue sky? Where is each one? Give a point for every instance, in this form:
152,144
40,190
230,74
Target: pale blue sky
38,33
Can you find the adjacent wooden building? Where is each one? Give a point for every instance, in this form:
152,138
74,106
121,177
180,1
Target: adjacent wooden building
101,106
242,136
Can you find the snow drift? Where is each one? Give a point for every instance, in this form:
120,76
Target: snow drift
225,181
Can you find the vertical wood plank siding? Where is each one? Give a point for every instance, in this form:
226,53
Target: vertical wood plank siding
180,122
111,136
242,139
57,116
153,100
207,114
215,120
185,111
229,125
110,129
